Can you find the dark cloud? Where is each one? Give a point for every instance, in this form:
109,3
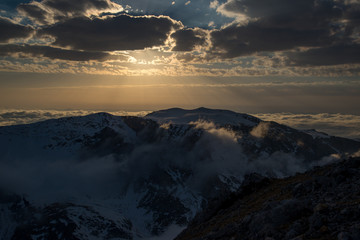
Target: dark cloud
123,32
10,30
339,54
187,39
266,8
279,25
235,40
50,11
55,53
319,10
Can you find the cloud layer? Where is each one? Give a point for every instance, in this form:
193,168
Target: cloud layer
343,125
294,37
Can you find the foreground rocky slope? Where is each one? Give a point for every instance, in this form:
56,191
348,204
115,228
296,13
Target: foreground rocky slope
323,203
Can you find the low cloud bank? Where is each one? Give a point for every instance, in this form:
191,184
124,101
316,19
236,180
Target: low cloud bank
342,125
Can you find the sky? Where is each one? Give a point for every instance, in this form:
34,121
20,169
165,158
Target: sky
253,56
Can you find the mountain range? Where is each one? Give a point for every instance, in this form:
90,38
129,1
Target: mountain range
110,177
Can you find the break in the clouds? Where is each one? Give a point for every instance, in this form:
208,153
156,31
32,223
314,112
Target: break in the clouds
303,33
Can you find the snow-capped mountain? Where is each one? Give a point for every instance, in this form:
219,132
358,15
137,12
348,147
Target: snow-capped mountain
109,177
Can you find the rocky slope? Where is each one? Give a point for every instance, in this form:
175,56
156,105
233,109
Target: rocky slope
323,203
137,177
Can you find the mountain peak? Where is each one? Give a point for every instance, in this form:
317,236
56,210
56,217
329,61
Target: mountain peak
184,116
